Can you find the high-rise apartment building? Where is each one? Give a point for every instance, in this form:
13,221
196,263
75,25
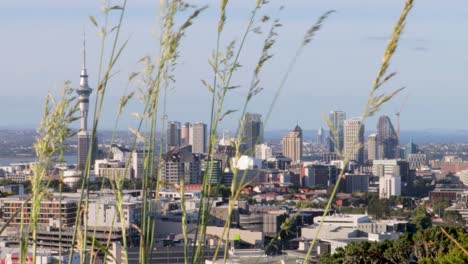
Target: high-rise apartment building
354,140
372,149
138,163
397,168
389,185
198,138
292,144
85,139
263,152
336,137
252,133
173,135
180,163
387,139
49,211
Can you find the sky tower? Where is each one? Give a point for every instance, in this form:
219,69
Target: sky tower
84,136
84,92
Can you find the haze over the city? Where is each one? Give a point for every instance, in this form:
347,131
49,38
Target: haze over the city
41,48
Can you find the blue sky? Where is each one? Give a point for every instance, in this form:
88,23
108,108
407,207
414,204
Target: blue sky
41,48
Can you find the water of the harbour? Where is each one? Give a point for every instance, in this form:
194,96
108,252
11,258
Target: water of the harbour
8,161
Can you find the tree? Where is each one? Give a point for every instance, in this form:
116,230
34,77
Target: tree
453,218
421,218
356,252
6,182
454,256
421,188
432,244
428,246
439,206
220,191
55,184
379,208
400,251
328,258
251,200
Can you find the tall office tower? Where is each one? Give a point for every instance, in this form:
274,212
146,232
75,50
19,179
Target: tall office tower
173,135
292,144
212,169
184,134
372,150
354,139
198,138
85,139
252,133
320,136
388,139
263,152
336,140
410,148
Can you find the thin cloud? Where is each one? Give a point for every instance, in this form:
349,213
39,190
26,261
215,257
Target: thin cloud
416,44
403,39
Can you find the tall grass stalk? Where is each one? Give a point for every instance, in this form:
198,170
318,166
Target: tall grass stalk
253,90
50,142
372,106
230,64
169,43
100,94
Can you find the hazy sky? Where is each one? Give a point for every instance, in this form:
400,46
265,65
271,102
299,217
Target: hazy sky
41,48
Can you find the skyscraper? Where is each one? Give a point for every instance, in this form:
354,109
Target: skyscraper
85,139
320,136
173,135
410,148
292,144
252,133
336,140
387,138
354,139
184,134
372,153
198,138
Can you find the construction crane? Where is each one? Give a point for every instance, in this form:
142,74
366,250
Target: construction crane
398,113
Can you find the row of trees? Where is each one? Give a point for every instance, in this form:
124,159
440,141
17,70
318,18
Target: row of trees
422,244
428,246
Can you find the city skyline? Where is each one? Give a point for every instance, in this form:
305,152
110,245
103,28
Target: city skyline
194,168
420,55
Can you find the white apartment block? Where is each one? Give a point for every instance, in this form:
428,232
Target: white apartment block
263,152
389,185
